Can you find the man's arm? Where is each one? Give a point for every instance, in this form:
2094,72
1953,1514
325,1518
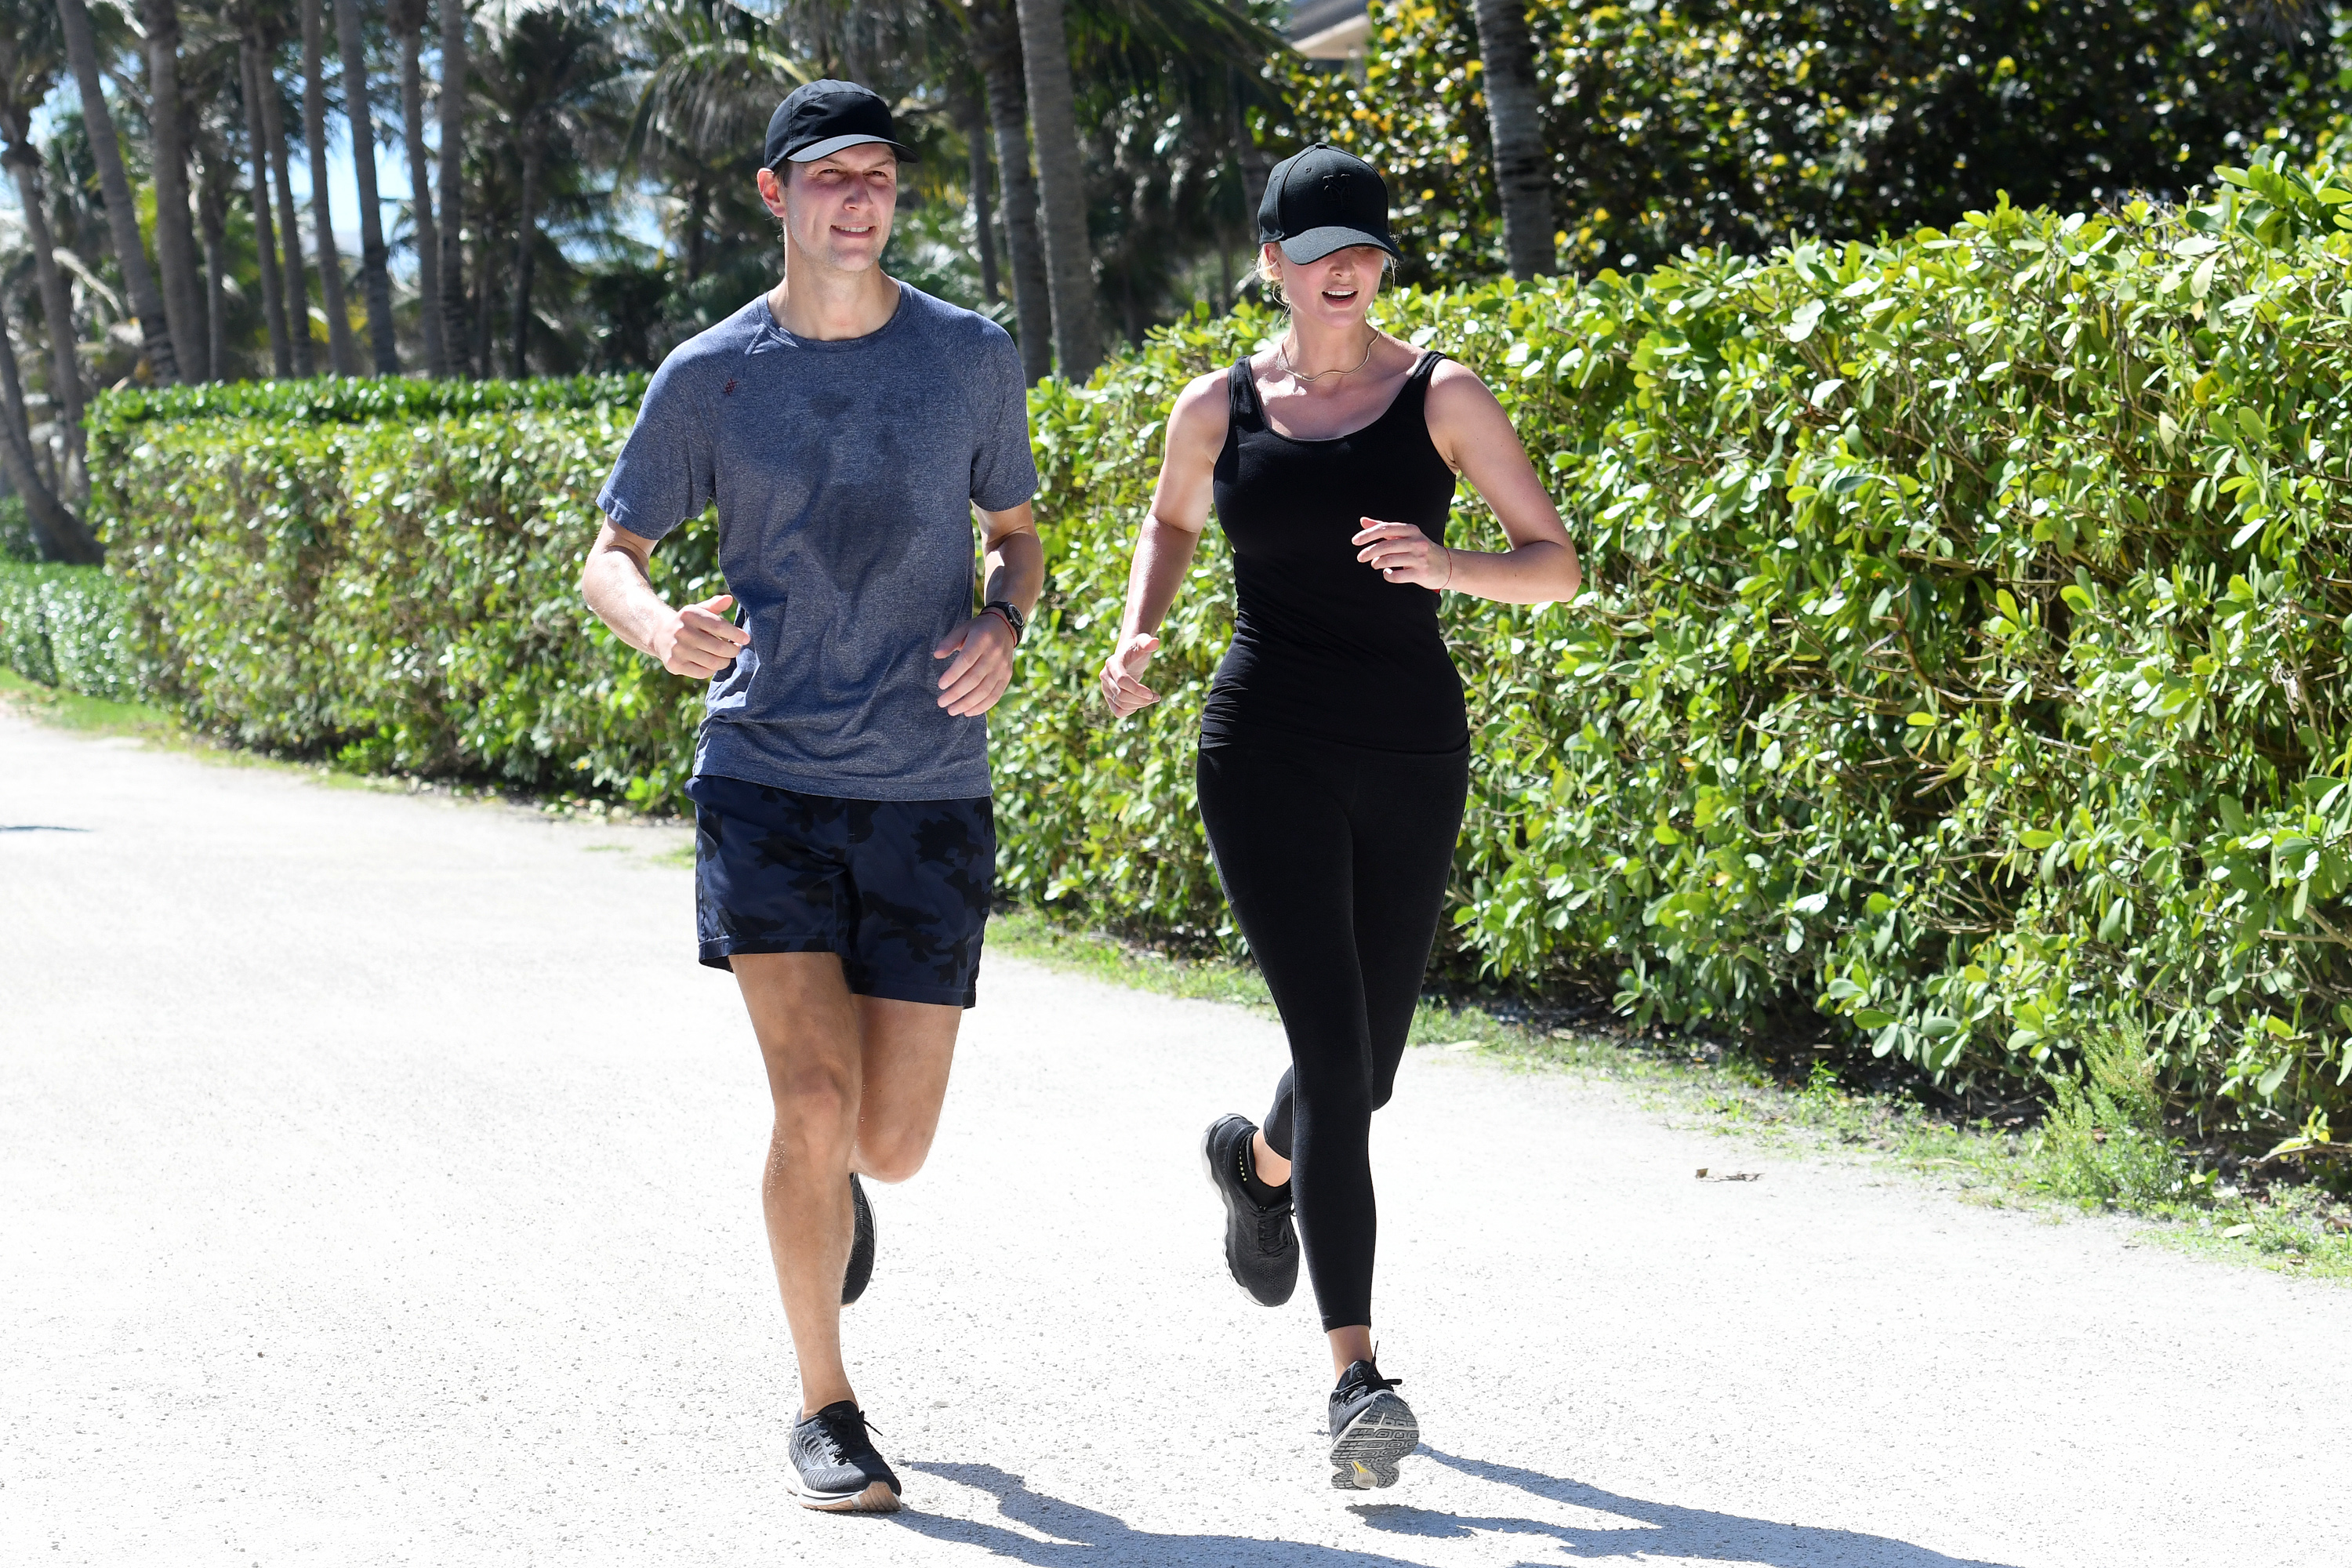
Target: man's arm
981,650
698,641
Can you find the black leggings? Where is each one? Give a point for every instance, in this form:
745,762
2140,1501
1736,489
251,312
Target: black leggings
1335,859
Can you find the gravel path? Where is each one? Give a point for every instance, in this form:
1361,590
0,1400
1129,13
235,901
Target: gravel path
379,1187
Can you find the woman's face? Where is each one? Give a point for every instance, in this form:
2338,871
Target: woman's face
1334,290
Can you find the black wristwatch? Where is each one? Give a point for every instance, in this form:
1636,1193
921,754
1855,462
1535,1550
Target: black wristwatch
1013,617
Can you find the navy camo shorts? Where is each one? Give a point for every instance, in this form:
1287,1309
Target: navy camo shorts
900,888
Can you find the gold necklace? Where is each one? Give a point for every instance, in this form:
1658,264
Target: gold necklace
1283,353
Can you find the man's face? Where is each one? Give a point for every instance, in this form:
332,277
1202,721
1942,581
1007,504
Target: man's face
838,208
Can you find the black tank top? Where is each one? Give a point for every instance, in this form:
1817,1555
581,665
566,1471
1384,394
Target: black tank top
1324,647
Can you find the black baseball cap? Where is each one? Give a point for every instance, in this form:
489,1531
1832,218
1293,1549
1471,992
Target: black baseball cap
1323,200
821,117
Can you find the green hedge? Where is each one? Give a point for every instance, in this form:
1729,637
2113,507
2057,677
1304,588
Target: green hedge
1965,661
1963,674
313,575
67,626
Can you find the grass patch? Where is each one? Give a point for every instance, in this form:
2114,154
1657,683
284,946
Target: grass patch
2104,1148
86,715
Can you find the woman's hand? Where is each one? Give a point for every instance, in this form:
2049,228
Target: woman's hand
1403,554
1121,688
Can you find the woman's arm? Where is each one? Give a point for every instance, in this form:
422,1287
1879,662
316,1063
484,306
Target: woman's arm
1474,436
1170,534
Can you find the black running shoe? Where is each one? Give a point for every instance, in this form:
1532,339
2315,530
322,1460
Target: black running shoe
840,1472
861,1244
1371,1429
1261,1247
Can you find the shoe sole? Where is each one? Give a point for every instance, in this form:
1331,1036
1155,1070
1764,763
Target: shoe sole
1364,1455
1209,1174
877,1498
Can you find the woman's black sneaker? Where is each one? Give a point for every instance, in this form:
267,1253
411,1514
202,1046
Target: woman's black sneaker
1371,1429
861,1244
840,1472
1261,1246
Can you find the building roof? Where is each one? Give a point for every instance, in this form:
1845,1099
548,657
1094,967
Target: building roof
1329,29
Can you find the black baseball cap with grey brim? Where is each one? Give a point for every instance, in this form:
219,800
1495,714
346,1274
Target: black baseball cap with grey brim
821,117
1323,200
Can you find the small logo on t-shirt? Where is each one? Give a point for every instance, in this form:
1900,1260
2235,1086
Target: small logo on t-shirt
728,390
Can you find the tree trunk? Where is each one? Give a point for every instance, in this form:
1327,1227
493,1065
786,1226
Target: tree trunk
63,535
289,222
323,216
57,304
265,240
114,184
972,121
697,229
175,237
486,309
526,253
1256,166
375,265
1515,125
998,46
408,20
451,302
212,224
1062,187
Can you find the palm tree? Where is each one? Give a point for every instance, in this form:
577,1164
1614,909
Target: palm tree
32,52
176,237
322,217
451,302
63,536
407,18
121,217
971,115
375,272
289,222
273,287
548,75
209,76
711,75
1061,186
996,47
1515,125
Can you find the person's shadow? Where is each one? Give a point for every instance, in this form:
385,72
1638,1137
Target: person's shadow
1088,1536
1662,1530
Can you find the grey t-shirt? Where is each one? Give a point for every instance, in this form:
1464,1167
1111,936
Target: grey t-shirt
845,473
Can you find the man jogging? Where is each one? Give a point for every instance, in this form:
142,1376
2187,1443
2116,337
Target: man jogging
848,426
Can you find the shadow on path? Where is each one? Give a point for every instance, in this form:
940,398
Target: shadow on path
1086,1535
1671,1532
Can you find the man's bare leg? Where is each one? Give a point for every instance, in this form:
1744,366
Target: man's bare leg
858,1084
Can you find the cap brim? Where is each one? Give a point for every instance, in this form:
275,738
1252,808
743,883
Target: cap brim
832,144
1318,243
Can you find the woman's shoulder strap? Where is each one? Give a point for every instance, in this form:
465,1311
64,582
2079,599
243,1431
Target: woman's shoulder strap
1241,386
1426,366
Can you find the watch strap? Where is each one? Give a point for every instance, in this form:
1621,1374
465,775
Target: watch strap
1013,617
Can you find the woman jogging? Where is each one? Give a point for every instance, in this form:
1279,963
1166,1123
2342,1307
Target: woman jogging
1335,748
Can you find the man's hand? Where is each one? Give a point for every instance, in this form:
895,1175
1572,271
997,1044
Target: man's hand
980,653
1121,688
699,640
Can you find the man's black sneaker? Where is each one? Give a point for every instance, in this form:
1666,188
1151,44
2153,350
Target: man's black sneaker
840,1472
861,1244
1261,1247
1371,1429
